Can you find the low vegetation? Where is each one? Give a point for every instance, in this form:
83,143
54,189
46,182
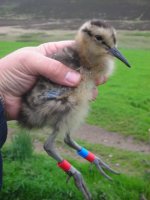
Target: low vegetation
123,106
40,178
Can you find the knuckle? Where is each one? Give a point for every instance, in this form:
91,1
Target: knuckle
56,69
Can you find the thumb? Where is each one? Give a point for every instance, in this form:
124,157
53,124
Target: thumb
52,69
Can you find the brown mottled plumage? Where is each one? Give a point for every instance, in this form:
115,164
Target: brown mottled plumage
64,108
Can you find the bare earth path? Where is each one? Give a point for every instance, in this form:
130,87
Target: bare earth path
97,135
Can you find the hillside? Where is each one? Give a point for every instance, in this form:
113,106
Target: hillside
18,12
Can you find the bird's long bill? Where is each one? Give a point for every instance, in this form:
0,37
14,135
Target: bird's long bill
115,52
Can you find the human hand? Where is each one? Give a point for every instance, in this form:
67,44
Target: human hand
98,81
20,69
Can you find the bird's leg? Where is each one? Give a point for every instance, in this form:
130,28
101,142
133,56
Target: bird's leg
66,166
89,156
49,147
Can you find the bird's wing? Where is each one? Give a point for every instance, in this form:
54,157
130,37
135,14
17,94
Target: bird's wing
68,56
56,93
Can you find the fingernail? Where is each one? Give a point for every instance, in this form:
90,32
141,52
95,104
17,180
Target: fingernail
102,80
73,78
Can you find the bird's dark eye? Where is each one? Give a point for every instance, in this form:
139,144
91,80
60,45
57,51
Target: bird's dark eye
98,37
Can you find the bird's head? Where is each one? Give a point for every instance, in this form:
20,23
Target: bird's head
99,39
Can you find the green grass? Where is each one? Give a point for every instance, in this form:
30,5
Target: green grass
123,104
134,39
44,37
7,47
124,161
39,178
138,33
21,146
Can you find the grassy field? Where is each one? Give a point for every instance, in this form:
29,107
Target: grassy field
124,102
123,105
39,178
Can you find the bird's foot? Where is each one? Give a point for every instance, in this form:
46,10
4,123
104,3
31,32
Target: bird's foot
102,165
78,179
97,161
79,182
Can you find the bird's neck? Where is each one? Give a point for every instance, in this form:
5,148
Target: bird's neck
89,60
94,66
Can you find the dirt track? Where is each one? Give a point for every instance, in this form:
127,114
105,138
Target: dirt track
96,135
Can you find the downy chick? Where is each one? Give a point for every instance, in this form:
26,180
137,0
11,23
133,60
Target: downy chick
64,108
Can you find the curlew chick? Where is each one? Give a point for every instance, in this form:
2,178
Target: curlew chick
64,108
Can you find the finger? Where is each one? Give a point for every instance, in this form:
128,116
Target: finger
52,47
100,81
38,64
